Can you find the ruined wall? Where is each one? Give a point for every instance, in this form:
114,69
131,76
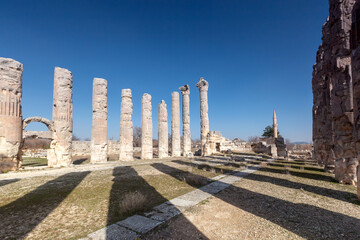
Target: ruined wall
59,154
333,89
83,148
355,61
10,114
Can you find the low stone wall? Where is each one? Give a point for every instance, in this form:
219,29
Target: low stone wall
82,148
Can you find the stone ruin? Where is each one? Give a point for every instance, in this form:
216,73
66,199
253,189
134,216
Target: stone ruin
336,93
62,147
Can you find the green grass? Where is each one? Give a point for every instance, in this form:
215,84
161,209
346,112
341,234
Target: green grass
34,162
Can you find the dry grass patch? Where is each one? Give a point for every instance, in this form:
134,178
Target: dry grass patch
132,202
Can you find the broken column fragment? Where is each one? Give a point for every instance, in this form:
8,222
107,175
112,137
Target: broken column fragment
146,128
203,87
126,127
163,136
99,144
59,154
10,114
175,125
185,91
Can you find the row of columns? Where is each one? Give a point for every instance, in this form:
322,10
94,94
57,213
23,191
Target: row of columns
60,152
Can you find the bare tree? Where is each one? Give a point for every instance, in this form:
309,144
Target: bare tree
253,139
75,138
137,136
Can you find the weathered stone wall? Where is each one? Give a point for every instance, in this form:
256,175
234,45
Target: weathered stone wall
163,135
83,148
99,144
10,114
322,117
59,154
355,61
341,93
146,128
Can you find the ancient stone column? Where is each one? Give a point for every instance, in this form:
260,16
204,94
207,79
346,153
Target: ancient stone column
10,114
203,87
146,128
163,130
185,91
126,127
99,143
175,125
275,125
60,153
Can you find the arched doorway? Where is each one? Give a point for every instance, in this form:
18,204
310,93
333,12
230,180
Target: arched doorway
36,143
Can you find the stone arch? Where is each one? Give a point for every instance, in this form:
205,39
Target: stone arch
49,124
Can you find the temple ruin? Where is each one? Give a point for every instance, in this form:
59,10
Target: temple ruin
146,128
336,95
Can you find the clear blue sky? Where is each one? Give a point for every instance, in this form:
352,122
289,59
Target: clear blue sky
256,55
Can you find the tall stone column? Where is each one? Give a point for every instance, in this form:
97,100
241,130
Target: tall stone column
10,114
275,125
163,130
126,127
60,153
146,128
185,91
175,125
99,134
203,87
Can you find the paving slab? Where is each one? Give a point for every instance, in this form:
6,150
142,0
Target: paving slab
139,223
112,232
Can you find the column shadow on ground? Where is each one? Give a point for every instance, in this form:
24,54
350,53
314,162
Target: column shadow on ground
126,180
20,217
305,220
326,192
6,182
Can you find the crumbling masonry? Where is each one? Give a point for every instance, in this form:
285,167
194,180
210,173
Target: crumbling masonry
336,92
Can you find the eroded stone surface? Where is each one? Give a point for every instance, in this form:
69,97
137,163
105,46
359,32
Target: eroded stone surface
163,130
10,114
146,128
185,91
60,154
126,127
175,125
113,232
99,143
203,87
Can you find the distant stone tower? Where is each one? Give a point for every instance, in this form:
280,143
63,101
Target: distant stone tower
275,125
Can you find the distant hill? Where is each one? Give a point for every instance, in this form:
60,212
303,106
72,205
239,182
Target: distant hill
299,143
